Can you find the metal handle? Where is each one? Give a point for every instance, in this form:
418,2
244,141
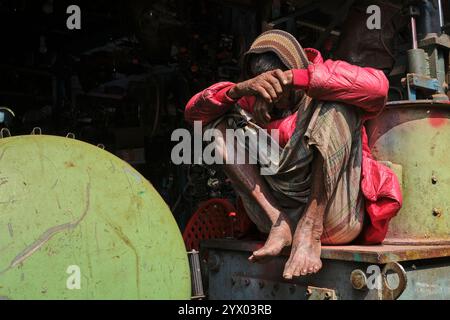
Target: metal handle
36,131
5,133
389,293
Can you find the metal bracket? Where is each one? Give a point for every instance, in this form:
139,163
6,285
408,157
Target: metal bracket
416,82
196,275
5,133
36,131
314,293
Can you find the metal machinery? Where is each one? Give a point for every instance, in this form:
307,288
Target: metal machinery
411,136
79,223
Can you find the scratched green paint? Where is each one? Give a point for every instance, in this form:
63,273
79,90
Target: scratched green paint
67,203
417,138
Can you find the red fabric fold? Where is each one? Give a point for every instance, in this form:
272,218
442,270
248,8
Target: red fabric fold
382,193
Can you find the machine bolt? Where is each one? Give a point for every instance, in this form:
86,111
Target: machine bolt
308,292
437,212
292,289
214,262
358,279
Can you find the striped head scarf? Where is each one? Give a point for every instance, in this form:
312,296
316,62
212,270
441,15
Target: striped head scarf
284,45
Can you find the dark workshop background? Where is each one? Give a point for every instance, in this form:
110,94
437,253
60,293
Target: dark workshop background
124,78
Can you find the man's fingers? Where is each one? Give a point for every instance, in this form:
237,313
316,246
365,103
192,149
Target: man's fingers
267,116
270,90
276,84
264,94
281,76
257,114
261,112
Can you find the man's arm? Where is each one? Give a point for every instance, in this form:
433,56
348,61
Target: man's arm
366,88
216,100
210,103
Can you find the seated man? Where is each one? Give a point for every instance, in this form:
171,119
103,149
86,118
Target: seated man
319,108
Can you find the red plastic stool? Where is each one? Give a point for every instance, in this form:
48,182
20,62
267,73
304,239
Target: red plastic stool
215,219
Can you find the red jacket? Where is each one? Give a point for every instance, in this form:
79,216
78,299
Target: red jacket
339,81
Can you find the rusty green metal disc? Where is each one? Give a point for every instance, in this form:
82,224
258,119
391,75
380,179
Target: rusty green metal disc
76,222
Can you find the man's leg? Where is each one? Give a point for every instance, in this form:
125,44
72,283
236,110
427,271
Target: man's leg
306,245
246,178
333,213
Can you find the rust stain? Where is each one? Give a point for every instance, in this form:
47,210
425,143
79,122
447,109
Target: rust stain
118,231
437,119
69,164
3,181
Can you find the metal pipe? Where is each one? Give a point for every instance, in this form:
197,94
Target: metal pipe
414,33
317,27
441,14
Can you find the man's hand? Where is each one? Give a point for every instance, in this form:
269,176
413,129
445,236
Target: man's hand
261,111
269,86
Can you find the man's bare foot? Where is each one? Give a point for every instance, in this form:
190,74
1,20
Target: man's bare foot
305,252
280,236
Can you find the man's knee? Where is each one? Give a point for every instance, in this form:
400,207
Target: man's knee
343,113
343,231
345,235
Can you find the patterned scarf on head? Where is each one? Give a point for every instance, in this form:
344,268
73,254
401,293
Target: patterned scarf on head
284,45
291,53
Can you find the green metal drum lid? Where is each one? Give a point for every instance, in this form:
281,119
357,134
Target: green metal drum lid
79,223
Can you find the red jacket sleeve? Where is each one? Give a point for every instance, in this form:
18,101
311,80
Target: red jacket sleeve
213,102
366,88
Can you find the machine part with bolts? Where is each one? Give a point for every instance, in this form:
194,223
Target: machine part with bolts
404,272
314,293
417,62
416,136
426,76
244,287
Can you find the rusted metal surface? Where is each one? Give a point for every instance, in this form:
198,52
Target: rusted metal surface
416,136
233,276
371,254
